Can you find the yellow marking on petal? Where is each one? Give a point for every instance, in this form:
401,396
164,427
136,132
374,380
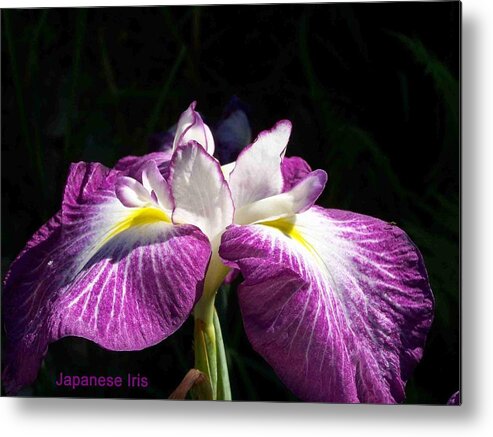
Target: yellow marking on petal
138,217
288,228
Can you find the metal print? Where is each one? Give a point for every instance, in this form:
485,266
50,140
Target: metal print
249,202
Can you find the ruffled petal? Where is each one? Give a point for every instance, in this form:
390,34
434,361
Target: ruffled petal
133,166
300,198
257,173
25,307
201,193
338,303
192,128
202,198
121,277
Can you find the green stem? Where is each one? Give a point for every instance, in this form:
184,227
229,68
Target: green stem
210,356
223,386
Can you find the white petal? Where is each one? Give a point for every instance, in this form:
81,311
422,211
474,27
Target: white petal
153,181
201,194
131,192
301,197
227,169
192,128
257,173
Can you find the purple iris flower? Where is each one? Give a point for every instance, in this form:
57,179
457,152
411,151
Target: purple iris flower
338,303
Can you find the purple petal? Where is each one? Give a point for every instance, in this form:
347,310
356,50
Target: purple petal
294,169
23,312
338,303
231,276
133,166
455,399
123,290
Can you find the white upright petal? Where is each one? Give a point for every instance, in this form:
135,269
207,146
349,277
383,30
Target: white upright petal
257,173
201,193
192,128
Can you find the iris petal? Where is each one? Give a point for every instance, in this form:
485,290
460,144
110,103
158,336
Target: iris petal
201,193
133,166
301,197
132,193
338,303
191,128
86,274
153,181
294,169
202,198
257,173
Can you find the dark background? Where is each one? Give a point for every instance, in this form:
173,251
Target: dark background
373,94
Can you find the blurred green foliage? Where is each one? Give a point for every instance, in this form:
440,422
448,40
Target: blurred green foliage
373,93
